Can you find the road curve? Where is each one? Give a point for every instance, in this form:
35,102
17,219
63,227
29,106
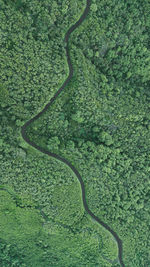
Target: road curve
25,137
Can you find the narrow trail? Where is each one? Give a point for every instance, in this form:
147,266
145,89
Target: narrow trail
25,137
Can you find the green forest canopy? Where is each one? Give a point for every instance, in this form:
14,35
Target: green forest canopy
100,123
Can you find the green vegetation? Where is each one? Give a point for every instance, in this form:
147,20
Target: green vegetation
44,218
100,123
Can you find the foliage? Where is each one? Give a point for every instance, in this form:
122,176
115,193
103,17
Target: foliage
100,123
110,144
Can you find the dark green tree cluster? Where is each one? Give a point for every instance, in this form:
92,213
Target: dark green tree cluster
33,60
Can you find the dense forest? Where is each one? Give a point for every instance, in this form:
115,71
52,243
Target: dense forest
100,123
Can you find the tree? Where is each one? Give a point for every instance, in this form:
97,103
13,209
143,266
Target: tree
77,117
106,138
53,143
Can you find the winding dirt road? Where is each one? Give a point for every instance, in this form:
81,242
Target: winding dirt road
25,137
